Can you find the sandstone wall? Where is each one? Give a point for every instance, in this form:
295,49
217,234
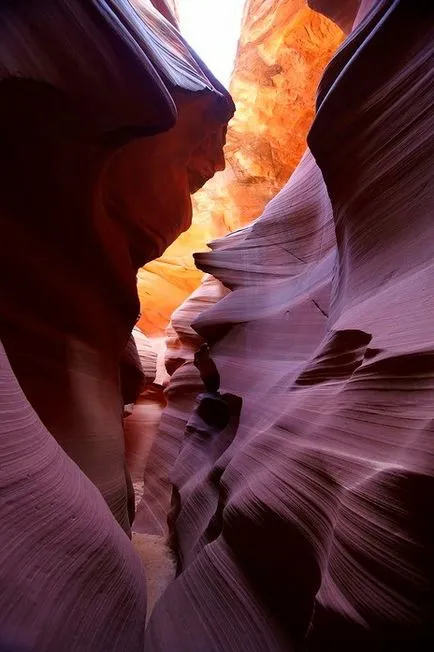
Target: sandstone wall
284,48
301,522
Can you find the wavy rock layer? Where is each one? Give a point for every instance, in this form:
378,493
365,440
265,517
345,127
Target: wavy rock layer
284,47
283,50
304,526
69,578
108,121
185,383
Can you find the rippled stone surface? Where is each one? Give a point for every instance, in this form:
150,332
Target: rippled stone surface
304,526
284,47
107,123
69,578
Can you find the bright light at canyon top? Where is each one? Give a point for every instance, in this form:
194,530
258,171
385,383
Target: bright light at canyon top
212,28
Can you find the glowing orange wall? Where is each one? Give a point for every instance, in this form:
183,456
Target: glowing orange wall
283,49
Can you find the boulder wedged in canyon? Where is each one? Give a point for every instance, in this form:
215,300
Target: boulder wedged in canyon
69,578
306,525
108,122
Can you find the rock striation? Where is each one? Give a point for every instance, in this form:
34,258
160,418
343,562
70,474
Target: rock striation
69,577
268,133
283,50
108,121
304,516
185,383
295,448
97,103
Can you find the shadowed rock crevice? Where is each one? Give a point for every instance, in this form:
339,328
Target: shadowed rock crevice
272,448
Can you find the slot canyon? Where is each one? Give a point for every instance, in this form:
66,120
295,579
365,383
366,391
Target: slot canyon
216,327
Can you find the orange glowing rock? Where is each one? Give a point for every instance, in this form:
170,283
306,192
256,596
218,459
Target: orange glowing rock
283,50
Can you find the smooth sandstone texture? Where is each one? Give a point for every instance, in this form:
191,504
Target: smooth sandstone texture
283,50
306,526
168,8
107,122
69,578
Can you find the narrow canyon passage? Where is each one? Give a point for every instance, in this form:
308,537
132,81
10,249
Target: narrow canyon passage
216,325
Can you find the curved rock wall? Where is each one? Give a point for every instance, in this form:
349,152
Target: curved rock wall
69,578
307,520
283,50
185,383
93,184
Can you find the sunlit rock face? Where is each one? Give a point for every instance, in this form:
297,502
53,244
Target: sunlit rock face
304,516
284,47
